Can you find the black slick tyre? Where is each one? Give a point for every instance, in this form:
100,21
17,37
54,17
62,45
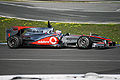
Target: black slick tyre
14,42
84,42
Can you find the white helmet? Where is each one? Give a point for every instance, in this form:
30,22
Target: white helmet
58,31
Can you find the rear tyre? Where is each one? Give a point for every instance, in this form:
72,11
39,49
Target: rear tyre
84,42
14,42
114,44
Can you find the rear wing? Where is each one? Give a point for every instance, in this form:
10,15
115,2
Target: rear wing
11,32
15,30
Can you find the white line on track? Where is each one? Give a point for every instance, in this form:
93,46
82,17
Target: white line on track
17,5
90,22
59,60
61,77
38,7
72,15
62,9
3,43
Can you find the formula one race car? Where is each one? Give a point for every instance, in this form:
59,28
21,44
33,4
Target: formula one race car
46,37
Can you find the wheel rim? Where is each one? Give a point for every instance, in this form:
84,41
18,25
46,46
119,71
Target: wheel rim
83,42
12,42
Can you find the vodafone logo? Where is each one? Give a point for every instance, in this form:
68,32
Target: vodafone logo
52,40
43,41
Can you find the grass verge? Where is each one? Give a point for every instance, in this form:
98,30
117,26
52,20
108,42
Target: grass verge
111,31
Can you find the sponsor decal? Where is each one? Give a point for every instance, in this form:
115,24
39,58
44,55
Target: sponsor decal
8,34
47,41
43,41
53,40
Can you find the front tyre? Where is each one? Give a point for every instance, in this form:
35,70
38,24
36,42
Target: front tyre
84,42
14,41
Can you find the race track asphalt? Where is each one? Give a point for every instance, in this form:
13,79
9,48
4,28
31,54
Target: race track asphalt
58,61
63,12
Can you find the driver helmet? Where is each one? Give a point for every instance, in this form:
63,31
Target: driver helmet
58,31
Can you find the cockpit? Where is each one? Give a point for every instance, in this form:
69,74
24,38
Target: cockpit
38,31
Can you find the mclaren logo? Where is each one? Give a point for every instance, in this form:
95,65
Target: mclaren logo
52,40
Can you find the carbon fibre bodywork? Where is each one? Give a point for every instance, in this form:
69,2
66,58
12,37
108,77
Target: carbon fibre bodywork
47,37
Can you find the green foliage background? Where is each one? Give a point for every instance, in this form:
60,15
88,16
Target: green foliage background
111,31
